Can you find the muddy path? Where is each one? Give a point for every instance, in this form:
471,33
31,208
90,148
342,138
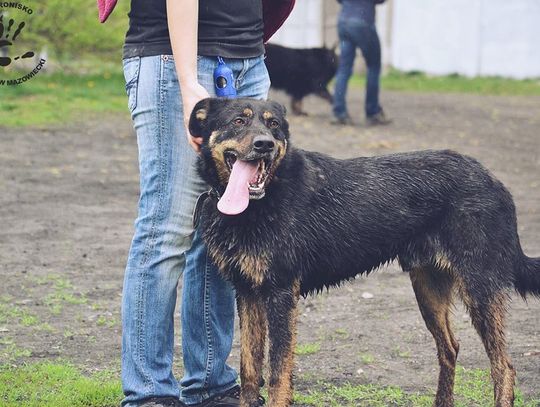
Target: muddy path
68,201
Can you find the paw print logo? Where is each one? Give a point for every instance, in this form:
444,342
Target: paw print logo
9,34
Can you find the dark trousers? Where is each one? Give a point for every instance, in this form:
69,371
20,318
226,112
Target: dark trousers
353,34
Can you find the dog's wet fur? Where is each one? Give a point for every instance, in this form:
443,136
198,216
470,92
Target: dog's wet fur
322,221
301,72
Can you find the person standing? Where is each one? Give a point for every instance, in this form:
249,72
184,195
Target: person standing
169,56
356,29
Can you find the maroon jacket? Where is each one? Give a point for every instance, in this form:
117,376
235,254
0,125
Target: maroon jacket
275,12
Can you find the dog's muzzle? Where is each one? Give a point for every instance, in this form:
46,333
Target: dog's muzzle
249,175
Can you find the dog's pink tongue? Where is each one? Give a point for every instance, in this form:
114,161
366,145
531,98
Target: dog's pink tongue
235,199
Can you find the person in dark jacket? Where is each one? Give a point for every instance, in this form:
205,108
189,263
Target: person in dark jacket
170,53
356,29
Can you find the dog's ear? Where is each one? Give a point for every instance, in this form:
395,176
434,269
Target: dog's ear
200,123
278,108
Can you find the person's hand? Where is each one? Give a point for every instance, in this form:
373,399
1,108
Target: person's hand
191,94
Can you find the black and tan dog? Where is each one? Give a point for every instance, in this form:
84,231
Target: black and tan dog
281,222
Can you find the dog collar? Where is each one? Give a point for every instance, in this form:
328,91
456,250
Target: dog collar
212,193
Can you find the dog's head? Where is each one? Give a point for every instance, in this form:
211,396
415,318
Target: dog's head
244,141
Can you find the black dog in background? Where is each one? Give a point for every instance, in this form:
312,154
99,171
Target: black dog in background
301,71
281,222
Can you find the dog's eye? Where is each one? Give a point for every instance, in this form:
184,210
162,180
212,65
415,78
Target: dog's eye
273,124
239,121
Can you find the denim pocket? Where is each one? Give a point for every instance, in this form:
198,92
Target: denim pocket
131,74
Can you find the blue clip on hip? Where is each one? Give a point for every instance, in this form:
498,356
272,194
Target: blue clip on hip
224,80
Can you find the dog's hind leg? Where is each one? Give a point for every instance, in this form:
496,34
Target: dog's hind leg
433,290
282,315
252,315
488,316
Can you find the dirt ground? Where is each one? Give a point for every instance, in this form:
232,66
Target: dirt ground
68,199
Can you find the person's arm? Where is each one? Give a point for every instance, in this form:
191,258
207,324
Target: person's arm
182,20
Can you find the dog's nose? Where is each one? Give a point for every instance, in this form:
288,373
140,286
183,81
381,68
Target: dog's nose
263,143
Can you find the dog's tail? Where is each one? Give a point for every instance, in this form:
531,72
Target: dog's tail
528,277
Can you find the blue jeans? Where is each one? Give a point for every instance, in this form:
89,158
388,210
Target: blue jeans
355,33
164,243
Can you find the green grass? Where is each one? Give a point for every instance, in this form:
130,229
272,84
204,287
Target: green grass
62,293
366,358
63,97
400,353
60,98
10,313
55,385
307,349
350,395
419,82
342,332
61,385
473,389
10,351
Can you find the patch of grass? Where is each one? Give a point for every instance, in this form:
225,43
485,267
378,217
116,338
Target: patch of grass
473,389
28,319
62,293
46,279
68,334
366,358
62,284
398,352
97,307
13,313
10,351
420,82
45,327
62,385
342,332
350,395
57,385
56,300
60,98
102,320
307,349
13,352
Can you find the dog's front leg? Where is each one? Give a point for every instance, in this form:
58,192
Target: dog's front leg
297,106
326,95
252,315
282,313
